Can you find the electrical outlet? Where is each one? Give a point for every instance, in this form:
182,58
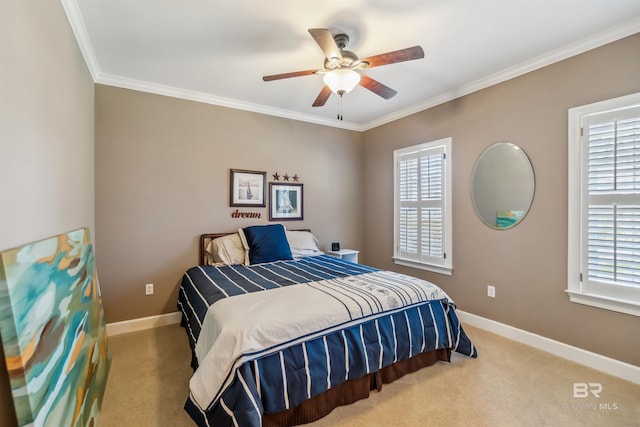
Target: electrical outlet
491,291
148,289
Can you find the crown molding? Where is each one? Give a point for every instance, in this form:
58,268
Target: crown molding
581,46
79,30
206,98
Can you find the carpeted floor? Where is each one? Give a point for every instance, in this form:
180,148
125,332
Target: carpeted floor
509,384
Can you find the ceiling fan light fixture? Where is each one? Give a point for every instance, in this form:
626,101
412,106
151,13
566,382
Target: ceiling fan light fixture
341,81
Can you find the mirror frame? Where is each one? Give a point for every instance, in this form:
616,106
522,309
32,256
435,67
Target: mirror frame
474,197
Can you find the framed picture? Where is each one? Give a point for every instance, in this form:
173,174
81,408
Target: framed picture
286,202
247,188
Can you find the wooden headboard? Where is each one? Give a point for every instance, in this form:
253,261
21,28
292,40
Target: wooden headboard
204,241
207,237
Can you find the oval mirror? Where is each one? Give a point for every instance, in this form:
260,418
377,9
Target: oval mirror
502,185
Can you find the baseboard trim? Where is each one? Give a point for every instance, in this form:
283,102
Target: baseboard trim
133,325
625,371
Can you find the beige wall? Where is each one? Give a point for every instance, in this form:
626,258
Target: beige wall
46,135
162,179
527,264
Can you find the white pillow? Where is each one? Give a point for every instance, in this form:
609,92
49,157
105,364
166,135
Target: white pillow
302,243
227,250
245,246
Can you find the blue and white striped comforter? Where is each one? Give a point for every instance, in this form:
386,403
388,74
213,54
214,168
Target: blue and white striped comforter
265,352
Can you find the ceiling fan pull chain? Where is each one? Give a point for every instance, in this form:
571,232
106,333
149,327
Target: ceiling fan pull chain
340,107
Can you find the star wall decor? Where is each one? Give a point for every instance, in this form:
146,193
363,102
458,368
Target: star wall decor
286,177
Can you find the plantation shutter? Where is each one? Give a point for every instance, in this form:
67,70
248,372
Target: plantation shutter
421,205
611,228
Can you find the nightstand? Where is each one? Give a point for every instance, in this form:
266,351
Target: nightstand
346,254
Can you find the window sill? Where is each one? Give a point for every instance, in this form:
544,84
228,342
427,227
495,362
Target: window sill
422,266
621,306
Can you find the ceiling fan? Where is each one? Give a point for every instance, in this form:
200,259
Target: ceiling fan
341,67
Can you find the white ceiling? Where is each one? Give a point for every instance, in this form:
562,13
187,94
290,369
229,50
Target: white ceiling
217,51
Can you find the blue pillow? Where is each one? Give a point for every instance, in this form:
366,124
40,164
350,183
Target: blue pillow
267,243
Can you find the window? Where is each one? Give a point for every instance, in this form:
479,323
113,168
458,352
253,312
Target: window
422,206
604,204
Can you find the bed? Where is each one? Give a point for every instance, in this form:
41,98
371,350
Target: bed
281,333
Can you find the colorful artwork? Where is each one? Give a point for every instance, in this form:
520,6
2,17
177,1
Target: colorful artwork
508,218
53,331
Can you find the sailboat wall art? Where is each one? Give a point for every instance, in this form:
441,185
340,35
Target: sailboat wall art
247,188
53,331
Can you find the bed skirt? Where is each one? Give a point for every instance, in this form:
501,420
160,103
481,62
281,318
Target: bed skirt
352,391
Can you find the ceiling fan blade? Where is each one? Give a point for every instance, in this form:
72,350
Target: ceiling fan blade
322,97
401,55
288,75
325,40
376,87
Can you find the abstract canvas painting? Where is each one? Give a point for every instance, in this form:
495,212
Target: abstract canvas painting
53,331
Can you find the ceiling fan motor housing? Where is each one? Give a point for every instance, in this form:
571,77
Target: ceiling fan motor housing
348,60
